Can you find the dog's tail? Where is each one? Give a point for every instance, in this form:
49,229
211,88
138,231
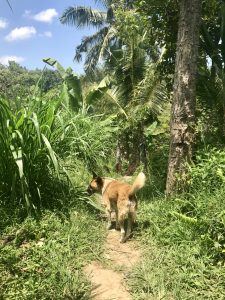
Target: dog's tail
138,183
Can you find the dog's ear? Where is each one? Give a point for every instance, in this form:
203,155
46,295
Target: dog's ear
99,180
94,174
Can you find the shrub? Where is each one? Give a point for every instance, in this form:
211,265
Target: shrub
208,171
36,144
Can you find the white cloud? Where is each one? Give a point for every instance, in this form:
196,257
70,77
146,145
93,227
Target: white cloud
46,15
3,24
21,33
46,34
5,59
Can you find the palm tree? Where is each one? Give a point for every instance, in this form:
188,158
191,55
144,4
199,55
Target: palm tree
184,92
97,45
126,61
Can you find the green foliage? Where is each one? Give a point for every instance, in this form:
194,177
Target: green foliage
44,259
183,248
19,82
37,140
183,237
162,18
28,161
93,140
74,93
208,171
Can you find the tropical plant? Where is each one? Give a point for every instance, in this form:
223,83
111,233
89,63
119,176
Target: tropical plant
29,165
207,172
96,46
38,141
74,93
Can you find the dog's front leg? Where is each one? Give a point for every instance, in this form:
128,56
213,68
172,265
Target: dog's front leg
117,222
122,231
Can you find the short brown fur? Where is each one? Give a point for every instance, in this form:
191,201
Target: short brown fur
119,197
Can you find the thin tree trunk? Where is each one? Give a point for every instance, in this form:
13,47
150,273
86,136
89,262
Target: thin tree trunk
118,157
183,106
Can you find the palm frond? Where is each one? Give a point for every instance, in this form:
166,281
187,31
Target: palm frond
115,95
92,60
90,41
97,91
96,47
151,91
82,16
108,38
106,3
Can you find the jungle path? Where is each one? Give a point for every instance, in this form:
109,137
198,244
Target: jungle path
108,281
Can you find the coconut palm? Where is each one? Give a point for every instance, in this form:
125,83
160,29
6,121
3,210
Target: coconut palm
96,46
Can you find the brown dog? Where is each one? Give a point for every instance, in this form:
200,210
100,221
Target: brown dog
119,197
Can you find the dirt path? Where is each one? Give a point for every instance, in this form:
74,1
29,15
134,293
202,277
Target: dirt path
109,283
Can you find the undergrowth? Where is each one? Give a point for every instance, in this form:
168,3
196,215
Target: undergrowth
43,259
183,243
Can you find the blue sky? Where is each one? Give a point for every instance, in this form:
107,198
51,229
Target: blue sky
33,32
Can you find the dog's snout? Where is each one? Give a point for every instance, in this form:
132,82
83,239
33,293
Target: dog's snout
90,190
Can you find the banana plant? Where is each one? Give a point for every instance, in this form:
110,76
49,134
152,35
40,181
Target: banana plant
72,90
74,94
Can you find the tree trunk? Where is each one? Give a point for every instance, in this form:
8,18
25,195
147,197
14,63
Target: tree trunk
183,106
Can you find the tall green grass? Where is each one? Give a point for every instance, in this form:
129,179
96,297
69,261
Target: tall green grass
41,145
27,159
46,155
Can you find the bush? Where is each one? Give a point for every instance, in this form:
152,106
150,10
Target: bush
36,144
28,162
208,171
183,248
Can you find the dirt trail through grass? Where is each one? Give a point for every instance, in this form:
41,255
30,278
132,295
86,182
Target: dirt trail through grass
108,280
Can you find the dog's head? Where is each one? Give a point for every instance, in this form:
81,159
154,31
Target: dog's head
96,185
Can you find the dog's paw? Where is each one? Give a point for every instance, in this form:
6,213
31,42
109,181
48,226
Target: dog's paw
123,239
117,227
109,226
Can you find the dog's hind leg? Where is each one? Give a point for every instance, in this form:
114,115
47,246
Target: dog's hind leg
117,222
109,224
129,224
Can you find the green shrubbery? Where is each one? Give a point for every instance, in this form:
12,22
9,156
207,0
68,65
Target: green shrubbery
208,171
28,162
42,146
48,149
47,153
184,238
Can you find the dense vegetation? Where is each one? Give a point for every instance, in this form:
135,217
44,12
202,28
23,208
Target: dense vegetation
57,127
